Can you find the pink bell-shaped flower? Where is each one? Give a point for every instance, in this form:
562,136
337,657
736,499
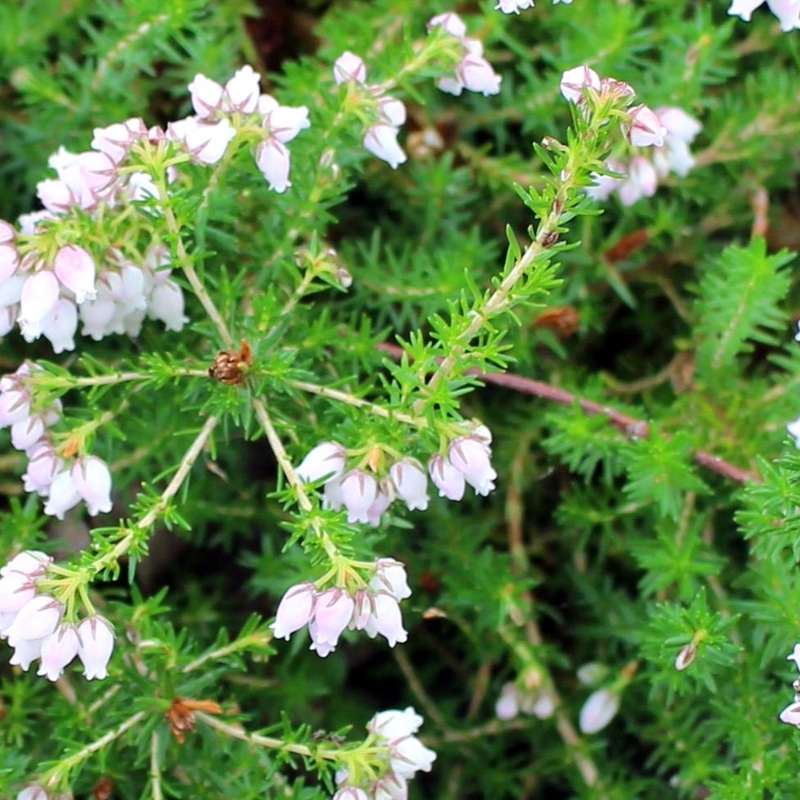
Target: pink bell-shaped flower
410,483
273,160
206,96
451,22
92,480
29,562
349,67
16,590
75,268
359,490
381,140
38,618
60,325
166,304
242,91
63,495
95,645
58,650
446,478
332,613
43,464
573,80
284,123
475,72
326,460
470,456
386,619
39,295
390,576
294,611
646,129
26,651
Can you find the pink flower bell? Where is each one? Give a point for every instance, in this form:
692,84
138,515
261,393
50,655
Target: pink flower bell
358,491
295,610
332,613
326,460
573,81
38,618
92,480
95,645
446,478
349,67
646,129
58,650
410,483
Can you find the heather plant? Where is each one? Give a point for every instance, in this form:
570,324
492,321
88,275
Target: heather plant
399,400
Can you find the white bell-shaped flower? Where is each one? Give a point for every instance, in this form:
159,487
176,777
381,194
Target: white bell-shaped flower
92,480
95,645
58,650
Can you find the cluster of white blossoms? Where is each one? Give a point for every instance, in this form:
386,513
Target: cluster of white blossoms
515,6
380,138
473,72
643,171
791,714
33,624
374,608
49,282
666,132
395,731
222,110
365,497
787,11
63,481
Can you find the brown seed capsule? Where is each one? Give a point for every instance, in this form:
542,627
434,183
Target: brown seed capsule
181,714
230,366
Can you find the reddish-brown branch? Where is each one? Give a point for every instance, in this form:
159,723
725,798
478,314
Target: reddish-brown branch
630,426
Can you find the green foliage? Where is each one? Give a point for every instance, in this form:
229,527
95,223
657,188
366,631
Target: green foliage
644,524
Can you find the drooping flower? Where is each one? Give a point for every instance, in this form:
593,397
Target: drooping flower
57,650
95,646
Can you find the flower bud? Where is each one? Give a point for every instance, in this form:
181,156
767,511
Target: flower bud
326,460
294,611
349,67
598,710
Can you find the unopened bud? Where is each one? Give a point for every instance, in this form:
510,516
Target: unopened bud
685,656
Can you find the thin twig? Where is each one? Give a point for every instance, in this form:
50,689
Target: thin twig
631,426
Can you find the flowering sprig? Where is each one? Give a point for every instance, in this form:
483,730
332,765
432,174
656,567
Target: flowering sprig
39,626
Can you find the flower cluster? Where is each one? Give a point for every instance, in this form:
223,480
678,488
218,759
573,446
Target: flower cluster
515,6
513,700
366,498
222,110
393,730
374,608
62,481
667,133
791,714
33,624
473,72
787,11
643,171
47,290
380,138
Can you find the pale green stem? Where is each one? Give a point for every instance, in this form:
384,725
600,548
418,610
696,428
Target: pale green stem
240,644
238,732
54,774
188,267
189,457
352,400
294,480
155,767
